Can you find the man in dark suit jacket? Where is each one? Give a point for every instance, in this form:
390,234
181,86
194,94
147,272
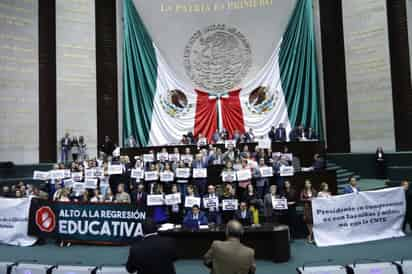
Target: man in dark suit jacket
231,256
195,217
154,254
243,215
139,196
280,134
352,187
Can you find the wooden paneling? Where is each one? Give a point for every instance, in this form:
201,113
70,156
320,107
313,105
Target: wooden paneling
106,70
47,81
400,71
334,75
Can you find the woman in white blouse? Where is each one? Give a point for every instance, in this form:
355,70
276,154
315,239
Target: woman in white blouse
324,191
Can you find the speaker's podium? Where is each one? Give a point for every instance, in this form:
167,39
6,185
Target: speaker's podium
374,268
330,269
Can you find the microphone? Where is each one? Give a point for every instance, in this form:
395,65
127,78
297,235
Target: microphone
315,262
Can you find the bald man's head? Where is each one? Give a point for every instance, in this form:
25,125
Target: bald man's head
234,229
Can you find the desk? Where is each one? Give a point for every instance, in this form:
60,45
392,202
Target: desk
269,243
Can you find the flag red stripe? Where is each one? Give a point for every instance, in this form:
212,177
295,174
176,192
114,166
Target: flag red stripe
232,114
206,115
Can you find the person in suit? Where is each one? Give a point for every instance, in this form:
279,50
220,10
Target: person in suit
154,254
352,187
200,183
243,215
249,136
272,134
216,136
139,196
65,146
213,214
297,134
270,214
310,134
306,196
408,199
280,133
231,256
195,217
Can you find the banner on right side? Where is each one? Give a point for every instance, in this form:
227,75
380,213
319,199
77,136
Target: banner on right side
359,217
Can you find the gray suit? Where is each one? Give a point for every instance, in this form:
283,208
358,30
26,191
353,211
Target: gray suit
230,257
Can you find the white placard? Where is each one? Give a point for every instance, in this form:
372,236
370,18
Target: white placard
230,204
279,203
359,217
210,202
148,158
57,174
230,143
200,173
228,176
90,173
174,157
137,173
68,183
183,172
77,176
286,171
162,156
276,155
14,222
41,175
155,200
173,199
67,173
190,201
90,183
244,174
151,176
266,171
167,176
99,172
115,169
186,158
287,156
79,187
264,143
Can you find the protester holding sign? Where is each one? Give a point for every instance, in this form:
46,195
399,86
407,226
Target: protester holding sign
306,196
175,209
211,203
290,218
195,218
262,173
270,213
244,176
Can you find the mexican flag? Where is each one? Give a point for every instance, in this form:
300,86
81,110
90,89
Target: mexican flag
159,105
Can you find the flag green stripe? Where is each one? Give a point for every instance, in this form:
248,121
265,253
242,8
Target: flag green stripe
298,70
139,76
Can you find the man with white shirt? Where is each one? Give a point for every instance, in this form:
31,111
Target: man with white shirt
352,187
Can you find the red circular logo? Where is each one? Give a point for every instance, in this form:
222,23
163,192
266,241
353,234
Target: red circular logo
45,219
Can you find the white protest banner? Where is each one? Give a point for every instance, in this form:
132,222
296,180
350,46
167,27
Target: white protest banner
212,202
99,172
155,200
183,172
186,158
148,158
230,204
244,174
230,143
167,176
174,157
41,175
90,183
151,176
67,173
14,218
90,173
173,199
200,173
162,156
68,183
279,204
264,143
57,174
359,217
228,176
286,171
79,187
77,176
266,171
191,201
137,173
115,169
